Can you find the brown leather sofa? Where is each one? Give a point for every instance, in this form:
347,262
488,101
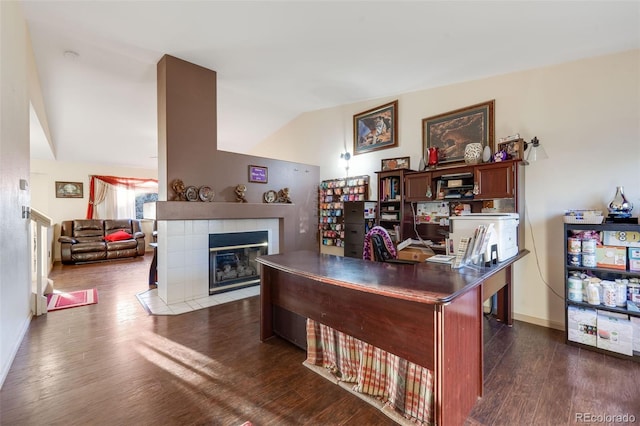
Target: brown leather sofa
90,240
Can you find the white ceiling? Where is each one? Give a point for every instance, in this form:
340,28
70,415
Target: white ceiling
276,60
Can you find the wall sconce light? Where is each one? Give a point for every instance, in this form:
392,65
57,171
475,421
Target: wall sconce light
344,160
535,151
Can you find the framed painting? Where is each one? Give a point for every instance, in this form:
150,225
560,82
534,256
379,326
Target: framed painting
258,174
69,190
395,163
376,129
452,131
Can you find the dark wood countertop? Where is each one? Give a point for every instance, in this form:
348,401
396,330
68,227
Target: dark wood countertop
423,282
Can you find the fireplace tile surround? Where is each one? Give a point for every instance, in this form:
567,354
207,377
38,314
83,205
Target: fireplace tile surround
183,253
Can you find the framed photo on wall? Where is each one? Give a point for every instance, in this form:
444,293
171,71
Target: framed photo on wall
376,129
258,174
452,131
69,190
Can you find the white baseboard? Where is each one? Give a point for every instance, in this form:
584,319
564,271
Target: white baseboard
539,321
14,350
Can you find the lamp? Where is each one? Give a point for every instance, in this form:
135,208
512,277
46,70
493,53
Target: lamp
536,151
345,157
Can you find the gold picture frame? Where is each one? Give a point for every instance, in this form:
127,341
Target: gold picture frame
452,131
395,163
69,190
376,129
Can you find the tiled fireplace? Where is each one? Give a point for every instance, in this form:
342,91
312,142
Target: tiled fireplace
183,253
232,259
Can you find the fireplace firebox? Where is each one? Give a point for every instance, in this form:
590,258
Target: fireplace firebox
232,259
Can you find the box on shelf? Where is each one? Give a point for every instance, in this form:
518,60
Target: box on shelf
419,254
621,238
615,332
582,325
634,253
634,265
611,257
635,325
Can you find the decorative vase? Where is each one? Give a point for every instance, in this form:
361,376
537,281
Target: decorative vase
619,206
433,157
473,153
486,154
422,166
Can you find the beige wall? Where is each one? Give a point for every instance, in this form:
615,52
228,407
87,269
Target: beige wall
45,173
585,113
15,270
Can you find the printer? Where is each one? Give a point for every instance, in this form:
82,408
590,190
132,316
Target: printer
504,235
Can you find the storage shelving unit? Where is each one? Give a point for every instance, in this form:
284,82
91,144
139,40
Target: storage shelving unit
581,332
391,201
332,195
359,218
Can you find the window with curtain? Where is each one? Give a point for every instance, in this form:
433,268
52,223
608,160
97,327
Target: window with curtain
112,197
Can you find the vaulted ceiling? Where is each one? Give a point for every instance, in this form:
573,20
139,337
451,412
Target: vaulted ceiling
278,59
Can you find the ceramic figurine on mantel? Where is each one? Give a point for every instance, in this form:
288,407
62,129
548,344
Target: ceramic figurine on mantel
619,207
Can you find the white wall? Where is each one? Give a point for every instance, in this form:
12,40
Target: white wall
45,173
585,113
15,270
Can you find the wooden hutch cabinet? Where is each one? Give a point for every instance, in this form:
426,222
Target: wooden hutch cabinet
495,180
488,187
419,187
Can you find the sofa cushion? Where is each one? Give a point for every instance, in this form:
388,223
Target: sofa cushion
111,225
88,228
97,238
118,236
88,247
121,245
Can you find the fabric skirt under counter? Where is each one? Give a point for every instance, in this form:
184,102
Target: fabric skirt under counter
402,385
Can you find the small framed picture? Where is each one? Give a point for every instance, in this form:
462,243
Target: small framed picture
69,190
395,163
258,174
515,149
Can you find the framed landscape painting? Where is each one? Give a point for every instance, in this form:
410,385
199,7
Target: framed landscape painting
376,129
452,131
69,190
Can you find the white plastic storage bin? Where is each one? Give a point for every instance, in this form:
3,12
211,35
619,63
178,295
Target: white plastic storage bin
582,325
505,227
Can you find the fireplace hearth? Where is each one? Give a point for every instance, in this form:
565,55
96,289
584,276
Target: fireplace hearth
232,259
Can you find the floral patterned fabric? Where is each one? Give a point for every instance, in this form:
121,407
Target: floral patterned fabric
403,385
369,248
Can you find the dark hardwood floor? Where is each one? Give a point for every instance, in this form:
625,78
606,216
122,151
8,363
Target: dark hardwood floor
113,364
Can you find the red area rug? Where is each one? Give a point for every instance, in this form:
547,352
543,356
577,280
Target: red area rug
73,299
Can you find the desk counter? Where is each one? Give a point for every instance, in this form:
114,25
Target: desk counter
428,314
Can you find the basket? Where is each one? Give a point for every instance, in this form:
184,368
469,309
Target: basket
592,217
591,220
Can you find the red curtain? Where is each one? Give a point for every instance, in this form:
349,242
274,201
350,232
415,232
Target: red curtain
130,183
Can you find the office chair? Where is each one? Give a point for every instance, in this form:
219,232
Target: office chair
378,245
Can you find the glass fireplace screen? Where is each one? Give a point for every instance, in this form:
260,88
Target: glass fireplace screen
232,260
